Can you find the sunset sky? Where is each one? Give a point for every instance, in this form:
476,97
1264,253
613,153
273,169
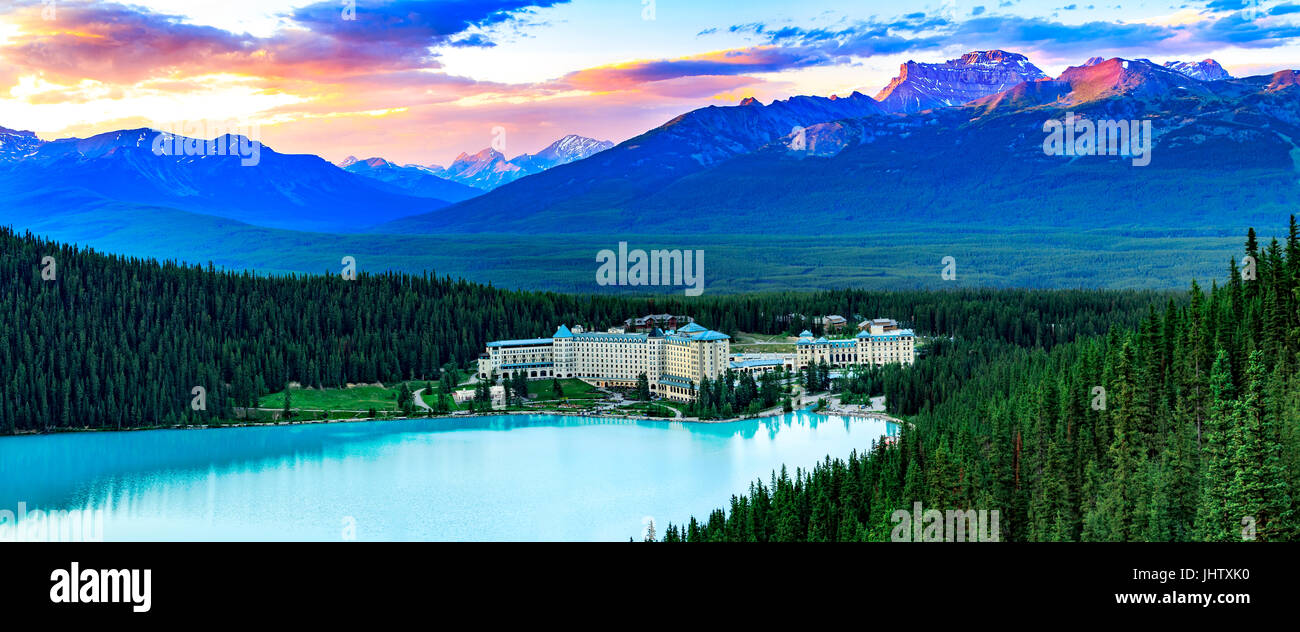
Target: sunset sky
421,81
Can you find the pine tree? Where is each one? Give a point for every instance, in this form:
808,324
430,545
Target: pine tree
1214,514
287,413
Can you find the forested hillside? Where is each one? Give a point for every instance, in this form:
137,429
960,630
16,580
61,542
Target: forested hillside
1198,436
114,342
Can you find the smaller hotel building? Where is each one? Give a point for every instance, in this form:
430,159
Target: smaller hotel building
880,342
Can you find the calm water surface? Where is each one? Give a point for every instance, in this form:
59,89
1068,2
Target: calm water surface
488,478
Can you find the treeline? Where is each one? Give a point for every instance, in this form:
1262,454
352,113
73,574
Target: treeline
103,341
1183,427
734,393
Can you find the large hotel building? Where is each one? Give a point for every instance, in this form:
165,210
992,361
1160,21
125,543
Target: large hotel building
676,361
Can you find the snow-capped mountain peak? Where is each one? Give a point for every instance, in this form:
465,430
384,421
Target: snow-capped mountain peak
975,75
1205,70
489,169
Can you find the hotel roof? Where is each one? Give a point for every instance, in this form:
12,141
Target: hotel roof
744,364
521,343
707,335
563,332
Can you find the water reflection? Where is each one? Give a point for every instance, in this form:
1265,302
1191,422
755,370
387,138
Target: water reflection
503,477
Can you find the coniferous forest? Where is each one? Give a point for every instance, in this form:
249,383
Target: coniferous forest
1183,427
102,341
1079,415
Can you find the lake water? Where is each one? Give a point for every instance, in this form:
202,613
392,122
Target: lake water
487,478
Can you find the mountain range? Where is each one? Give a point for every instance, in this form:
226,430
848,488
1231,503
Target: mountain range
489,169
300,192
955,148
471,174
410,179
850,164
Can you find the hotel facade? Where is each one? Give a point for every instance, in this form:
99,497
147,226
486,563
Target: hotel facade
676,361
880,342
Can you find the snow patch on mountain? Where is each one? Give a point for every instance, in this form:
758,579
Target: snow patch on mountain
489,168
975,75
1205,70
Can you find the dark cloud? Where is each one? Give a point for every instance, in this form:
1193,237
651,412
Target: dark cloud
1227,5
411,22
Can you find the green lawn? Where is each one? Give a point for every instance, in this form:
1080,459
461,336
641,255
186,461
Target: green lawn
573,389
362,397
662,403
384,398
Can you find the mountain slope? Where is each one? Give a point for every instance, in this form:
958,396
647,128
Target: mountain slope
1223,157
561,152
1137,80
410,179
637,167
489,169
1205,70
301,192
16,144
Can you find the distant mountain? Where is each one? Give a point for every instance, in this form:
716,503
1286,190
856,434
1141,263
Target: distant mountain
1284,80
562,152
921,86
489,169
1207,70
1131,78
1227,145
486,170
301,192
410,179
15,144
635,168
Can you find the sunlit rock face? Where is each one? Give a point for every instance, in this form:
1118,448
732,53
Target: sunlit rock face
975,75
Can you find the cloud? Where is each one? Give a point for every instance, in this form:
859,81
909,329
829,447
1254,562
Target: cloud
413,23
106,41
917,31
1226,5
760,59
112,42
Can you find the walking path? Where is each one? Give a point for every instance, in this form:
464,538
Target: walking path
419,401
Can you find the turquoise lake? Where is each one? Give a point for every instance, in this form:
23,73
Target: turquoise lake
487,478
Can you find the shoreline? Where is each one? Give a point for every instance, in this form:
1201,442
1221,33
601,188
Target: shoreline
774,412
